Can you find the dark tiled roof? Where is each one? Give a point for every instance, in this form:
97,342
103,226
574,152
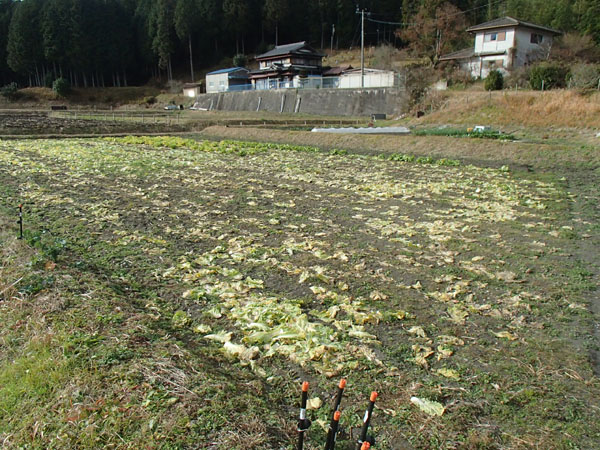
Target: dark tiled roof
297,48
338,70
504,22
465,53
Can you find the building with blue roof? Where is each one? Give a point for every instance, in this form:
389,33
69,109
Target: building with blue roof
230,79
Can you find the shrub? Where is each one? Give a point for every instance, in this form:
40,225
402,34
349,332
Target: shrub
175,87
10,91
457,77
383,57
494,81
585,76
417,80
240,60
552,75
575,48
61,87
518,77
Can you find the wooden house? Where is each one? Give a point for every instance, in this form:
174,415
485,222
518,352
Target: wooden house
285,66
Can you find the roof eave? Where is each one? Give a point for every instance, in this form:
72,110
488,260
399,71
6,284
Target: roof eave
474,29
283,55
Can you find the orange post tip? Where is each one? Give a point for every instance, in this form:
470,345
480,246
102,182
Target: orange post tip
365,446
336,416
305,386
373,396
342,384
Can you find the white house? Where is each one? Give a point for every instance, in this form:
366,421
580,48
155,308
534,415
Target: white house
503,44
234,78
192,90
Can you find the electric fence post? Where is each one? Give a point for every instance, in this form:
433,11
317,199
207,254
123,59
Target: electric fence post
333,426
365,427
333,429
20,221
303,423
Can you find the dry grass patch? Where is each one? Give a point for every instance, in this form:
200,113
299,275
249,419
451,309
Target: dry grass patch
557,108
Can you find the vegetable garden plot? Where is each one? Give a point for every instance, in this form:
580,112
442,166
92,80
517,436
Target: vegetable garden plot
449,288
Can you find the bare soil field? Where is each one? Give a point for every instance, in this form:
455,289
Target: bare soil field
80,123
16,122
174,293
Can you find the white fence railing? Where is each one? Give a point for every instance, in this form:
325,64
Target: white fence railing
353,81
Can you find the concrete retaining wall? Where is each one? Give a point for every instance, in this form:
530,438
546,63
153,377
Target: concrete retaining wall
333,102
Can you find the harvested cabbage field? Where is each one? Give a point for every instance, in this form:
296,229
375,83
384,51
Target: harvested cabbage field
172,293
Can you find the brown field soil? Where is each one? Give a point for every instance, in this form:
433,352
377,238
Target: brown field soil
174,293
123,121
42,97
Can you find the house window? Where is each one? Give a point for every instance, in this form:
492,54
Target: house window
211,84
536,38
492,37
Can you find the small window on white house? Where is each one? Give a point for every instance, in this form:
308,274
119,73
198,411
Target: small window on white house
491,37
211,83
537,38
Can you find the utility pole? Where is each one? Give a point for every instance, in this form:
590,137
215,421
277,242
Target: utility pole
362,49
362,45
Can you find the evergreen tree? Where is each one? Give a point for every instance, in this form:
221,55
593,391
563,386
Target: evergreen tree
56,33
24,54
5,16
186,22
106,42
236,19
275,12
161,33
590,19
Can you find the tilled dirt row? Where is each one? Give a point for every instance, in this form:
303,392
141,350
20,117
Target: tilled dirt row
21,123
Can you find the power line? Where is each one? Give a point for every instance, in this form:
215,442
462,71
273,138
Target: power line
389,23
476,8
448,15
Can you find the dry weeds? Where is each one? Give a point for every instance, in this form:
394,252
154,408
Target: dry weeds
10,254
558,108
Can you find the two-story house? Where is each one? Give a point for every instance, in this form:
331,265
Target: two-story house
283,66
503,44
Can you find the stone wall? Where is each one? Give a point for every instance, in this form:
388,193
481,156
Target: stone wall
333,102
